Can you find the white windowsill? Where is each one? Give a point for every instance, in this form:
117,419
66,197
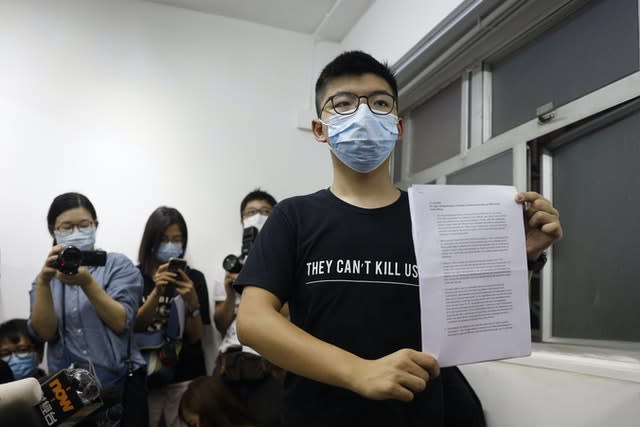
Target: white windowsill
613,364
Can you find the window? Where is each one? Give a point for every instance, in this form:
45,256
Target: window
595,184
592,48
584,56
435,128
497,170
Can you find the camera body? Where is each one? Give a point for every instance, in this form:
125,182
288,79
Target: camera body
70,258
233,263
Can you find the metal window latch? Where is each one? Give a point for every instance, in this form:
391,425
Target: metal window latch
546,112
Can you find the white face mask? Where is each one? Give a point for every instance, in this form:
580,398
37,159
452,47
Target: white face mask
256,221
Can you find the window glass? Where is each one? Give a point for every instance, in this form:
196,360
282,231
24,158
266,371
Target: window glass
592,48
435,128
595,265
497,170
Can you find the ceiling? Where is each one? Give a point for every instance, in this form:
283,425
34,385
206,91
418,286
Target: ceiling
327,20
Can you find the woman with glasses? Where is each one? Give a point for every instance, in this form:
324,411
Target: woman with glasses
86,314
173,311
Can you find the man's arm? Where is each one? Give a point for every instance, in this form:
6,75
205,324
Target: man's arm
224,311
262,327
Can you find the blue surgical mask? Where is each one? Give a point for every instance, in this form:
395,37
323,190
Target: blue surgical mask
168,250
362,140
23,367
83,240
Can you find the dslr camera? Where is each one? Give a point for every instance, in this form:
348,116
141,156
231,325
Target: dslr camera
71,258
233,263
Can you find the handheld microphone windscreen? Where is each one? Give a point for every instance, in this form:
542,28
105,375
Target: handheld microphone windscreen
70,395
21,393
85,384
18,402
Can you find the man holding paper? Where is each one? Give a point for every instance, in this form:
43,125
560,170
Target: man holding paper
344,260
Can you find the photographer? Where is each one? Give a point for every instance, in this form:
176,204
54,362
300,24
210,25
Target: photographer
255,382
175,299
86,316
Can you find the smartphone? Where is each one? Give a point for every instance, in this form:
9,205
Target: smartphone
176,264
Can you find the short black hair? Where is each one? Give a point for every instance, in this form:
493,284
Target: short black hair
15,328
65,202
257,194
353,63
158,221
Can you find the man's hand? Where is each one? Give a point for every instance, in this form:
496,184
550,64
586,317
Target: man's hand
541,223
229,278
397,376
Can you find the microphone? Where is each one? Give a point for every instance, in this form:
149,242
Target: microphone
65,398
69,396
25,392
17,402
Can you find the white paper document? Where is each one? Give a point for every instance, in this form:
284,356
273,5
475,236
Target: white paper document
470,247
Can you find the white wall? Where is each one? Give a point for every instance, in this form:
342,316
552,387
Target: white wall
531,396
138,105
390,28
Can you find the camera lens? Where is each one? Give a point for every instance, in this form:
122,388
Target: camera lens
69,259
232,264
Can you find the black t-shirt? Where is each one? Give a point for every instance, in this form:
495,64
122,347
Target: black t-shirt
191,359
350,278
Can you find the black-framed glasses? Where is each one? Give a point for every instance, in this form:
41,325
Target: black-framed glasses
253,211
172,239
345,103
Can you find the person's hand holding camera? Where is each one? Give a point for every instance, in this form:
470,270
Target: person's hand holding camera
48,269
229,278
184,286
82,278
163,277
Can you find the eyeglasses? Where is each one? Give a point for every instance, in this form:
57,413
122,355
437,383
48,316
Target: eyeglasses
21,352
345,103
173,239
66,228
253,211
